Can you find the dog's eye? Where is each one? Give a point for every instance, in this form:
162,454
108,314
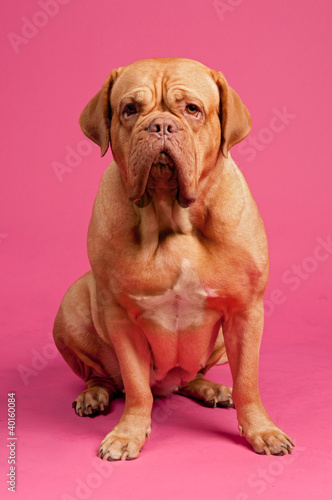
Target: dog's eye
192,109
130,109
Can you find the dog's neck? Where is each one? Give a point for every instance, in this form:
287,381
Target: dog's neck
164,216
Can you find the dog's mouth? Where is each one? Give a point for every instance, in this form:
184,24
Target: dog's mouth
163,173
163,177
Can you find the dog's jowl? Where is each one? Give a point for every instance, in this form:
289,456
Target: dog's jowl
178,254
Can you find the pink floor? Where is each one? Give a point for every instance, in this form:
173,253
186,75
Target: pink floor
56,54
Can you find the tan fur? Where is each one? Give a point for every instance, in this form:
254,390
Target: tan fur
178,253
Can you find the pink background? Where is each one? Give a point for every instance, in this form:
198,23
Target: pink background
277,55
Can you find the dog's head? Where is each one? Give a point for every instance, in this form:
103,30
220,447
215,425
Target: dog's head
167,121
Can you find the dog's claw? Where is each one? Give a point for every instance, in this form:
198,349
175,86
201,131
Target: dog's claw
213,402
91,401
228,403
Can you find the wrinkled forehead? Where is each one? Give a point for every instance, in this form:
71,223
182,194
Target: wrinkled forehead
161,76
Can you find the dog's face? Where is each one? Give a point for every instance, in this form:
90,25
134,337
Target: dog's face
167,121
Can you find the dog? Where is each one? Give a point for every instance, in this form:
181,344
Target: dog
178,253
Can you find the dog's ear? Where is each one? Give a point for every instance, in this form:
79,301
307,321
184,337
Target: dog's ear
95,119
234,116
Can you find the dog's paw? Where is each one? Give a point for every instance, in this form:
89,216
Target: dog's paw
271,442
123,443
209,393
117,447
91,401
218,395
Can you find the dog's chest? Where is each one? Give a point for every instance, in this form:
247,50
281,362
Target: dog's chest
178,308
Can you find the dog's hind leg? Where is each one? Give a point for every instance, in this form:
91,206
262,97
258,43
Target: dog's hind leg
85,351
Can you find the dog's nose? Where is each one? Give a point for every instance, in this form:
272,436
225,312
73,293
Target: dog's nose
163,126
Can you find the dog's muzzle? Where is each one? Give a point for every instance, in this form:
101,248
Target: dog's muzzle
157,164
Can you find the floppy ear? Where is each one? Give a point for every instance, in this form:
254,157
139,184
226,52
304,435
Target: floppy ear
95,119
235,118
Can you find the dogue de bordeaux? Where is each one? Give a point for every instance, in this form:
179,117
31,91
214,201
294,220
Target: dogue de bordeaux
178,253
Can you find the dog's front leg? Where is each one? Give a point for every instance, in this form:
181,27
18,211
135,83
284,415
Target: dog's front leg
242,333
127,438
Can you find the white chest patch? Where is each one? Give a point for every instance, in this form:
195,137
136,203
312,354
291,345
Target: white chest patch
178,308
